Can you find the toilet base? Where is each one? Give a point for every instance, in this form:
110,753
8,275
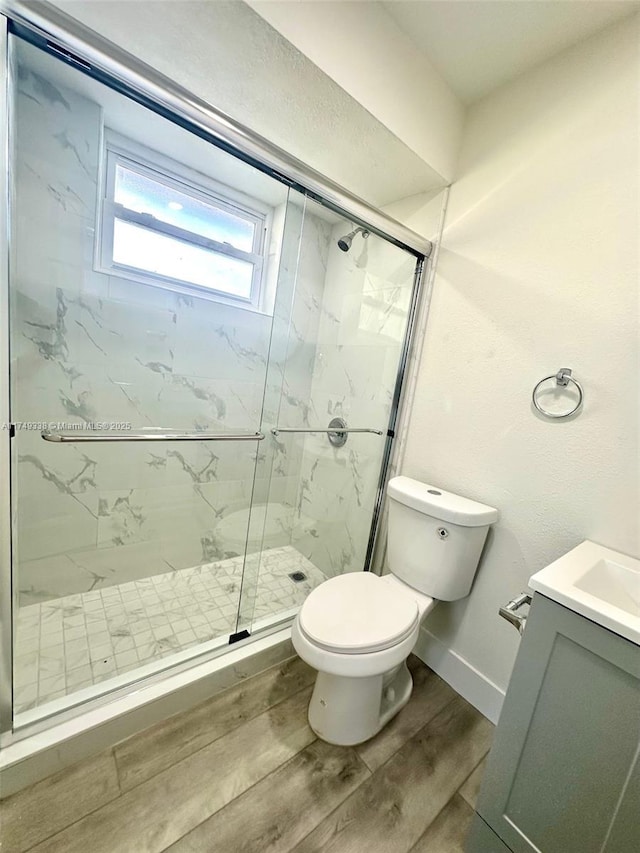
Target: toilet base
347,711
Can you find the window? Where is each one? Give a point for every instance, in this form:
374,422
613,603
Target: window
166,225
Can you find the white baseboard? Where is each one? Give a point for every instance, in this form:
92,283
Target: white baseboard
461,675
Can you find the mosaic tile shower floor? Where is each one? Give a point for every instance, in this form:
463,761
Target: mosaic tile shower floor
70,643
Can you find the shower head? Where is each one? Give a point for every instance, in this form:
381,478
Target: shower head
344,243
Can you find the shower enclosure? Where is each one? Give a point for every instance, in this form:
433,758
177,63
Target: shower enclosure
202,361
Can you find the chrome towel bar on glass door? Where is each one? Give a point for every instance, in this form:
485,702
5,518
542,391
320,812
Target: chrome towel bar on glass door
73,436
337,431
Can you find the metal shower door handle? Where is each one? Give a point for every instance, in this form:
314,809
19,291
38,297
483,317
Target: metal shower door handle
509,611
337,431
90,436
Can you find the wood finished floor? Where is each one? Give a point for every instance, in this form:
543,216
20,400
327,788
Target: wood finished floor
244,773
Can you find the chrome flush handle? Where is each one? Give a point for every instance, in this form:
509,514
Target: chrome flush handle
509,611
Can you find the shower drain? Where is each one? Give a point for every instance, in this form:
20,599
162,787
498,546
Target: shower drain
297,577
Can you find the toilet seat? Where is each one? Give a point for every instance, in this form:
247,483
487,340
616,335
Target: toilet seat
357,613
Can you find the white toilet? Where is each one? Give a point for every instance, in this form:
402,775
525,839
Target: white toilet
358,629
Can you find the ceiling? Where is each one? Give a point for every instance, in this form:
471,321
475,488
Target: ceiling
477,45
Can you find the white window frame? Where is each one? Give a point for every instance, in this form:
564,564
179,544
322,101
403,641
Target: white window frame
120,150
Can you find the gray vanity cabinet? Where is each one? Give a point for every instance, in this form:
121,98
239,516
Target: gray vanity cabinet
563,774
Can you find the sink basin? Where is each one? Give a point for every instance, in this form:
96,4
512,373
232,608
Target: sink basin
598,583
614,584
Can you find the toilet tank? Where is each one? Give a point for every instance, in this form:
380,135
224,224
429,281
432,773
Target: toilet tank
435,538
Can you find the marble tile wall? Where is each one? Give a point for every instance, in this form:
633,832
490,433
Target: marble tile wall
288,399
362,324
87,347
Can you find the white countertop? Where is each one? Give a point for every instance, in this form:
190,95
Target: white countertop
598,583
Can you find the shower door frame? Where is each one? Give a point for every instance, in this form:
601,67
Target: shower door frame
6,563
51,29
60,35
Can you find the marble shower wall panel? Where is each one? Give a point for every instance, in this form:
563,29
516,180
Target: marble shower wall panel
301,281
360,335
87,347
362,327
302,273
295,406
296,403
55,176
335,499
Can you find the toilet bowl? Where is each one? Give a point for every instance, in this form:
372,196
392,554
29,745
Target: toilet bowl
358,632
358,629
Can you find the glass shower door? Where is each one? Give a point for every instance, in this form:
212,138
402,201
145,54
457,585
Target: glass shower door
143,279
338,368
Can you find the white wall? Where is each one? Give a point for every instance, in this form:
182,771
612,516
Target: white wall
538,270
228,55
361,47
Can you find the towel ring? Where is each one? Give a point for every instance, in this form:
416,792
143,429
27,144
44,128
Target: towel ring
562,377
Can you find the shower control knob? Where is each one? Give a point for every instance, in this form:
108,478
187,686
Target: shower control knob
442,532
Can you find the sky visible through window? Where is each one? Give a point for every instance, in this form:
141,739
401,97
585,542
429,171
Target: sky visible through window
140,247
145,195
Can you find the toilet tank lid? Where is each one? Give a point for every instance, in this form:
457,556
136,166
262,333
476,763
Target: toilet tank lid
440,504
